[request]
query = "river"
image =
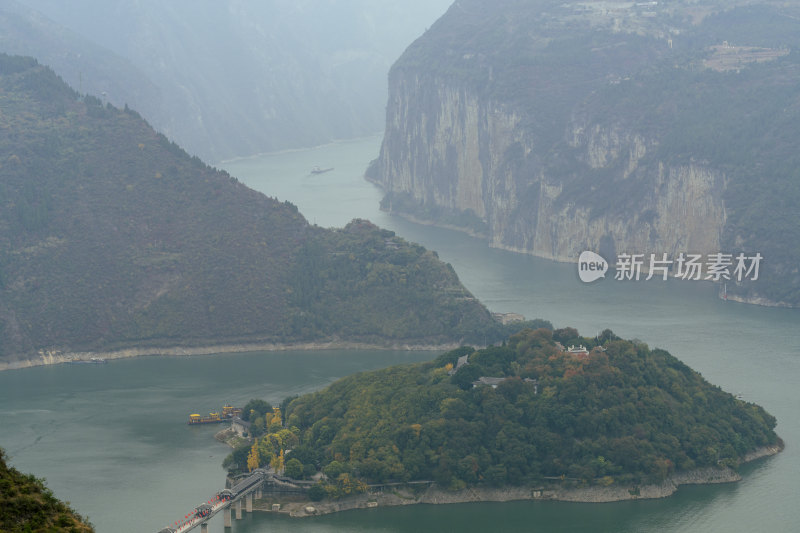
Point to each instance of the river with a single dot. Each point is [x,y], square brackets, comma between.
[112,438]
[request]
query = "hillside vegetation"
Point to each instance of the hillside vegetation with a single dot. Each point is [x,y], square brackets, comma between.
[112,236]
[27,506]
[619,413]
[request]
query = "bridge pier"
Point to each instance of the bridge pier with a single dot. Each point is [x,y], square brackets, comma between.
[226,513]
[249,503]
[258,493]
[238,509]
[204,527]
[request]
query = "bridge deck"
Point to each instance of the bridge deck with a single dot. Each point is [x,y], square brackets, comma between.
[244,487]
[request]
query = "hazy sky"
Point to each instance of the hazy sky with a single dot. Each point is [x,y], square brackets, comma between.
[233,78]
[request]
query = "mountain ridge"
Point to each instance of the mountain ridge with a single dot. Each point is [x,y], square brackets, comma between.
[112,237]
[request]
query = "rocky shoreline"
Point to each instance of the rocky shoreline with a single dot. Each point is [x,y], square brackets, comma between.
[757,300]
[431,494]
[57,357]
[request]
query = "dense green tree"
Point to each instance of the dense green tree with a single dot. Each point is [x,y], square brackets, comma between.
[238,457]
[316,492]
[622,414]
[28,506]
[255,408]
[294,469]
[334,469]
[466,375]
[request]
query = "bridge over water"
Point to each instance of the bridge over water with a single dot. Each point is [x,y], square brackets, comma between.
[228,501]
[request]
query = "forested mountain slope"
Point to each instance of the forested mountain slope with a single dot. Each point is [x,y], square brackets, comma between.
[111,236]
[26,505]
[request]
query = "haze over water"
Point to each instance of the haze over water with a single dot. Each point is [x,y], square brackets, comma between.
[112,438]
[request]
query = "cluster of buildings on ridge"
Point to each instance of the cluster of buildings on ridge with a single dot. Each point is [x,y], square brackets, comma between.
[579,352]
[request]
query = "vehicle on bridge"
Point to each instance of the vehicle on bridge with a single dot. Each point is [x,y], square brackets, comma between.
[203,510]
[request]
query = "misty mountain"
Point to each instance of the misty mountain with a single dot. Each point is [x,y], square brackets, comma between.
[236,78]
[640,128]
[112,237]
[87,66]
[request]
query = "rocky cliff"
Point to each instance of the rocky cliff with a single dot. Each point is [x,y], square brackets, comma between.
[554,129]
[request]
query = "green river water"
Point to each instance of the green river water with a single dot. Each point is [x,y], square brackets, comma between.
[112,439]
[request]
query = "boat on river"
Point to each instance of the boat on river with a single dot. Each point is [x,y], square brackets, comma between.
[318,170]
[228,412]
[92,361]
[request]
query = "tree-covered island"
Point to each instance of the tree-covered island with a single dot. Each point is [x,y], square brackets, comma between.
[547,408]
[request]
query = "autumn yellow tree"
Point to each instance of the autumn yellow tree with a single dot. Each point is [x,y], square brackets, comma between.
[252,457]
[273,418]
[265,452]
[277,463]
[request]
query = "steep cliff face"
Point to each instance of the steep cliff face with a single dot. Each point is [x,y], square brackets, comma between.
[614,135]
[449,156]
[681,208]
[469,161]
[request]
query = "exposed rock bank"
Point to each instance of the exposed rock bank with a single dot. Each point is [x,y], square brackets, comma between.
[55,358]
[407,495]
